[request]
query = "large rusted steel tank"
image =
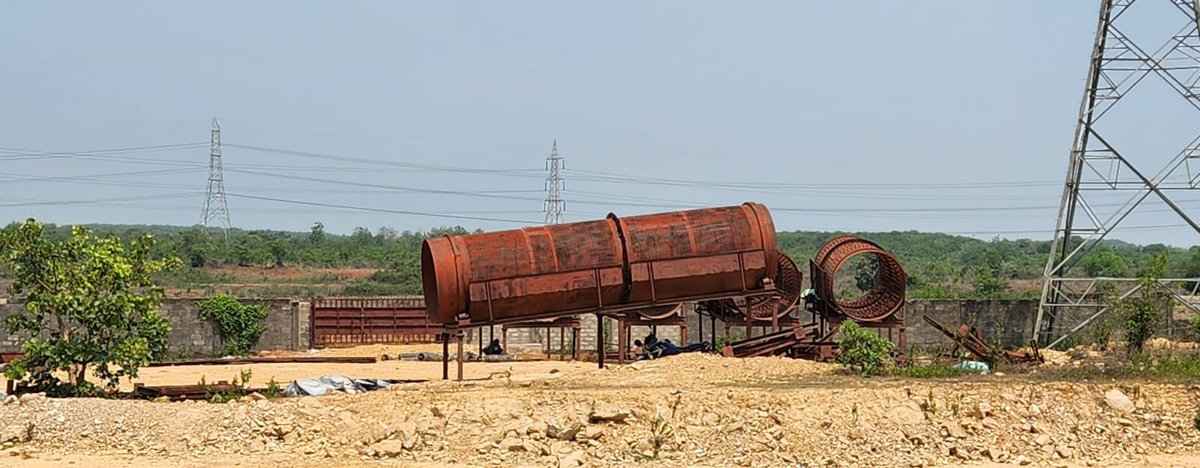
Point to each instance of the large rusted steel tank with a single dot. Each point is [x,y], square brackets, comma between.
[611,264]
[886,296]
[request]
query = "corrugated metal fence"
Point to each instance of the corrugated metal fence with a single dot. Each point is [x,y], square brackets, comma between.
[352,321]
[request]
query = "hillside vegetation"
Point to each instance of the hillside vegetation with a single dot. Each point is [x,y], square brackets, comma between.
[387,261]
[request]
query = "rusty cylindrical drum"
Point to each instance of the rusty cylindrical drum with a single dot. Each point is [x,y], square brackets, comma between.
[615,263]
[886,295]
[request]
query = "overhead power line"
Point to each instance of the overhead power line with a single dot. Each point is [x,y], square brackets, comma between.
[18,154]
[385,210]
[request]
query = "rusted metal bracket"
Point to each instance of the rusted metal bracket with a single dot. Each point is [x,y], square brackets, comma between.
[771,343]
[971,339]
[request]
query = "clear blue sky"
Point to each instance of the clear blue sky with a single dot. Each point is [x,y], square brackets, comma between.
[819,102]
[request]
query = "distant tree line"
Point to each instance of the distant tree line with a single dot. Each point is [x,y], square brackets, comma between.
[938,265]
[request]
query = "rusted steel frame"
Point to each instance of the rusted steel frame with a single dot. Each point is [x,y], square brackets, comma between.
[767,344]
[609,310]
[559,322]
[963,338]
[268,360]
[187,392]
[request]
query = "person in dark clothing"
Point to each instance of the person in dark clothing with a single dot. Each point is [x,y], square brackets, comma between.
[667,348]
[700,347]
[493,349]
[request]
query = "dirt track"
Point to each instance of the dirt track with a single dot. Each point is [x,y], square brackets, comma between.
[698,410]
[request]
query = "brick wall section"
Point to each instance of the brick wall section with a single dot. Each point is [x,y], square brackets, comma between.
[287,327]
[1009,322]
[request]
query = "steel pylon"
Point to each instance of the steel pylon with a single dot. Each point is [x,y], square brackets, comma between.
[1099,168]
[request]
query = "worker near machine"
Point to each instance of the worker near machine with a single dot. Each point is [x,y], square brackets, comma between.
[637,350]
[650,344]
[493,349]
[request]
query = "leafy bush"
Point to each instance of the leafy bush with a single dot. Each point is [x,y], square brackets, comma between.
[1144,310]
[861,351]
[89,301]
[239,325]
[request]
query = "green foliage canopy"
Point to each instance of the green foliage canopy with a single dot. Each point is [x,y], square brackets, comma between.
[90,301]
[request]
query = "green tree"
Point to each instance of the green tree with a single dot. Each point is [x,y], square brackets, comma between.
[278,252]
[988,284]
[89,301]
[1105,263]
[1143,310]
[866,272]
[240,325]
[316,234]
[195,247]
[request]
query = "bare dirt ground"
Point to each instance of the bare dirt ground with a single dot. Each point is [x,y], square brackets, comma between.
[690,410]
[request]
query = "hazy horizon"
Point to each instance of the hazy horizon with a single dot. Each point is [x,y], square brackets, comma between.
[952,117]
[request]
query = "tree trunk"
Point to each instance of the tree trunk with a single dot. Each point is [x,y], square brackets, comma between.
[77,374]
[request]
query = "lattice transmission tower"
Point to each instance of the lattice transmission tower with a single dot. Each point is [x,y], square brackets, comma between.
[215,206]
[1111,174]
[555,205]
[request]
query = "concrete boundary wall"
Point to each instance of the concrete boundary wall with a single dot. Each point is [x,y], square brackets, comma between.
[289,328]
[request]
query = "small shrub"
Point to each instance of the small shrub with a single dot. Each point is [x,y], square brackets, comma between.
[1194,321]
[861,351]
[1143,311]
[273,390]
[1196,420]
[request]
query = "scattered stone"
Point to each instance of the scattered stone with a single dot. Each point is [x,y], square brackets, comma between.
[1034,410]
[1064,451]
[907,414]
[512,444]
[1022,460]
[606,413]
[954,429]
[389,449]
[1043,439]
[985,410]
[563,431]
[572,460]
[1118,401]
[590,433]
[1124,422]
[538,428]
[12,433]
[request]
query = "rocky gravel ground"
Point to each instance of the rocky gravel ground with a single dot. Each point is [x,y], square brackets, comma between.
[690,410]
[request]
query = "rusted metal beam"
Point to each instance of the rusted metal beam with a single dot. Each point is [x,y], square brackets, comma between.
[771,343]
[269,360]
[970,339]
